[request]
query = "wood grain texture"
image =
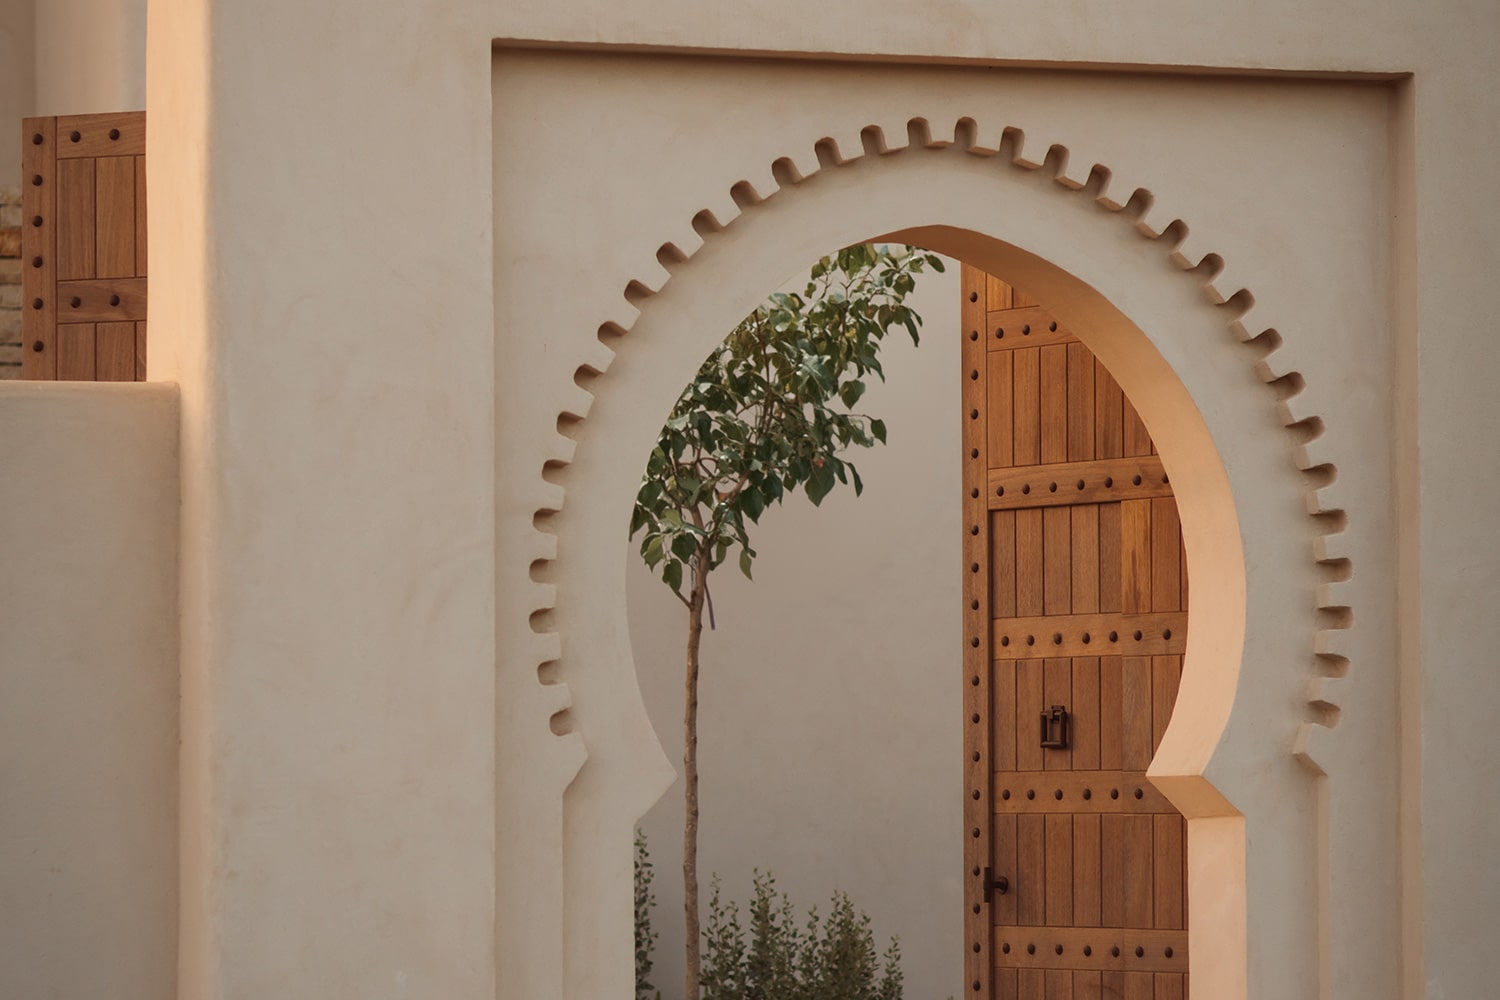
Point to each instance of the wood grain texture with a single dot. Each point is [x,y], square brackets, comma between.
[1110,577]
[1000,432]
[1169,892]
[76,252]
[1166,556]
[1003,712]
[1081,420]
[1087,876]
[140,216]
[1037,948]
[1111,718]
[1030,883]
[1026,406]
[1138,864]
[1085,709]
[1029,564]
[1057,561]
[1067,483]
[1135,712]
[140,351]
[75,352]
[1109,413]
[94,134]
[1026,326]
[1166,675]
[1059,843]
[1057,689]
[114,216]
[1002,564]
[1135,556]
[1030,636]
[102,300]
[1054,403]
[1084,536]
[114,352]
[38,243]
[1030,703]
[1136,440]
[977,671]
[1079,792]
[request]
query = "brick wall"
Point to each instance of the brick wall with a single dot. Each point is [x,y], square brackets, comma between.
[10,283]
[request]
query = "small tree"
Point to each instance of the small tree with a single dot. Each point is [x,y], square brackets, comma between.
[769,412]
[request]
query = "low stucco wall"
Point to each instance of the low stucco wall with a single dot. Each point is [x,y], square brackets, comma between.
[88,690]
[829,746]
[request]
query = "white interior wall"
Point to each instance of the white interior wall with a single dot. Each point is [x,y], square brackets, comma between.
[829,747]
[90,56]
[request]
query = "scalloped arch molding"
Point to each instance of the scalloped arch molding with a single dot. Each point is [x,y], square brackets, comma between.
[1253,460]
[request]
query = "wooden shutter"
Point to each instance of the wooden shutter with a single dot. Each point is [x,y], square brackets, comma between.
[83,247]
[1075,597]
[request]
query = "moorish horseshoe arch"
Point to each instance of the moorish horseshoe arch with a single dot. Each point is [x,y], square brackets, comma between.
[823,198]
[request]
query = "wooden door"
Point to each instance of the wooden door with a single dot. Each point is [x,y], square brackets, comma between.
[1075,621]
[83,247]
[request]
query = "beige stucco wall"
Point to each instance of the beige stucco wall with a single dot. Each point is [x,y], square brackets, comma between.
[829,699]
[90,56]
[88,690]
[358,550]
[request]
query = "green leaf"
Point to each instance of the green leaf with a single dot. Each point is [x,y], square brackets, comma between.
[877,428]
[651,550]
[819,484]
[745,563]
[671,574]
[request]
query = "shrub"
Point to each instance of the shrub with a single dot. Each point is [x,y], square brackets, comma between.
[645,938]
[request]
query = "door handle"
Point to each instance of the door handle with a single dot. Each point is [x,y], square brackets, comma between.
[994,884]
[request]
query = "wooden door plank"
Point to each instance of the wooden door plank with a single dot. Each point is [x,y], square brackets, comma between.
[1002,564]
[1026,406]
[1136,440]
[1138,986]
[75,352]
[1024,327]
[1089,986]
[1135,556]
[140,216]
[1137,864]
[1031,984]
[1030,636]
[1170,845]
[1020,299]
[116,133]
[1109,414]
[114,352]
[140,351]
[1166,674]
[1005,862]
[1057,689]
[1029,706]
[1029,571]
[1112,984]
[1085,709]
[1005,984]
[76,257]
[1108,949]
[1000,432]
[1182,561]
[997,294]
[1087,874]
[1059,836]
[1111,720]
[1030,882]
[114,214]
[1054,405]
[1081,421]
[39,244]
[1110,541]
[102,300]
[1099,481]
[1170,986]
[1135,712]
[1077,792]
[1085,555]
[1059,984]
[1057,556]
[1112,870]
[1003,712]
[1166,549]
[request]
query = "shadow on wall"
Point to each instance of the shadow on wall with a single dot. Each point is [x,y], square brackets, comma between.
[829,749]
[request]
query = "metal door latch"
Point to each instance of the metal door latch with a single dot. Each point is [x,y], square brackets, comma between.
[1055,728]
[994,884]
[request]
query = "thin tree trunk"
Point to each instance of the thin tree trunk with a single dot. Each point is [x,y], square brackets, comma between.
[690,783]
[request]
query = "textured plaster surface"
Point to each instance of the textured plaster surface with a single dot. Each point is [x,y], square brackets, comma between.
[361,445]
[88,690]
[880,190]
